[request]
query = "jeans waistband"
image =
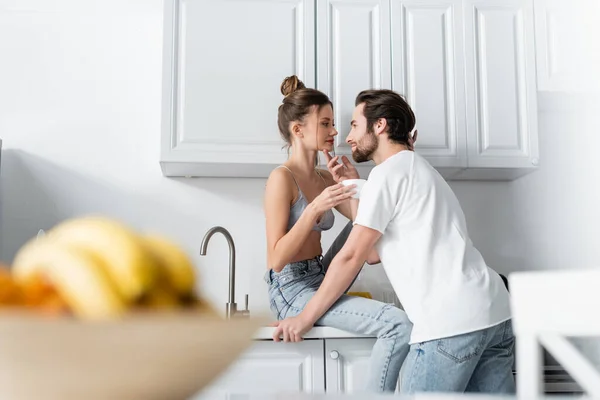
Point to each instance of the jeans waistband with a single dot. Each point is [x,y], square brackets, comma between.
[295,268]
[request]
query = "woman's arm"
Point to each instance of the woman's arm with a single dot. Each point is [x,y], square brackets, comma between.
[373,257]
[282,246]
[348,208]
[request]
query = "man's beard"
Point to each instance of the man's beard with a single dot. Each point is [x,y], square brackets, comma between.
[366,148]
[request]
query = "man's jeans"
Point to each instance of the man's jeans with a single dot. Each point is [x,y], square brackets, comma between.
[479,361]
[292,288]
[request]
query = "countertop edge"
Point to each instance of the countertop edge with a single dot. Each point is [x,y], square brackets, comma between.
[318,332]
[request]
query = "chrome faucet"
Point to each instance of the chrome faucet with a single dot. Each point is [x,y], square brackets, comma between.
[231,306]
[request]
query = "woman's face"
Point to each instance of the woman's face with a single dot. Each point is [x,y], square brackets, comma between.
[318,130]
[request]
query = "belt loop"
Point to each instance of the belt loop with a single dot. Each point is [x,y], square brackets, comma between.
[268,276]
[321,266]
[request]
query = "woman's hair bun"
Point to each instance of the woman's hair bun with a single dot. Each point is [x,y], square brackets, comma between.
[290,85]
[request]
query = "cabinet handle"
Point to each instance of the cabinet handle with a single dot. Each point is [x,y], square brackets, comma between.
[334,355]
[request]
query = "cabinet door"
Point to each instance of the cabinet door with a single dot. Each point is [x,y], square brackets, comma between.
[428,69]
[567,48]
[270,367]
[224,61]
[347,364]
[501,84]
[353,54]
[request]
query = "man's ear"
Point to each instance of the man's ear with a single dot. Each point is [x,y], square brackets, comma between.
[380,126]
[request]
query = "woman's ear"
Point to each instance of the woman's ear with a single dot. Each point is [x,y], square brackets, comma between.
[297,129]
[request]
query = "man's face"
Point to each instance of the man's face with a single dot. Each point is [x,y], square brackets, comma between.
[363,142]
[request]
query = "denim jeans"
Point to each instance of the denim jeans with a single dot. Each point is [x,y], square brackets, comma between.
[480,361]
[292,288]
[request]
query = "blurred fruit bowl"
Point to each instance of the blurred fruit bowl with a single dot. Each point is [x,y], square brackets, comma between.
[97,310]
[153,355]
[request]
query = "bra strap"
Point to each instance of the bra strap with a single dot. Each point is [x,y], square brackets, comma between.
[293,177]
[323,179]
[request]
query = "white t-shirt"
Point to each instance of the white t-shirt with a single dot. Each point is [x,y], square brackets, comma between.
[441,279]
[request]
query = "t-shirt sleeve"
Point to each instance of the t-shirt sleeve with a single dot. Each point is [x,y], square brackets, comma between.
[378,203]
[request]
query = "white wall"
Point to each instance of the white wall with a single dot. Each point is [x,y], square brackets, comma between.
[80,120]
[549,219]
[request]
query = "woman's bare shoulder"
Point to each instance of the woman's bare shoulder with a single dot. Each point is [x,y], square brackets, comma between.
[281,181]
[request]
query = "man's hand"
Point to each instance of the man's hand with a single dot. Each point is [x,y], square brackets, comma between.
[411,140]
[343,171]
[293,328]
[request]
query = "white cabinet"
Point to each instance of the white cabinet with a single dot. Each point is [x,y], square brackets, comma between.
[428,69]
[347,364]
[331,365]
[467,67]
[353,54]
[567,46]
[501,89]
[224,61]
[270,367]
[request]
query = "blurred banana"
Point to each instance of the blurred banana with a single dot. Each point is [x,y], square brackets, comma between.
[174,264]
[96,268]
[77,274]
[160,297]
[122,252]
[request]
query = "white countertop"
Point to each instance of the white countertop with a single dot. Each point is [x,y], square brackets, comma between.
[390,396]
[317,332]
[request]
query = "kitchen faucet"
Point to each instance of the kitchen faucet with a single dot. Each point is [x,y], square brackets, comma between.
[231,306]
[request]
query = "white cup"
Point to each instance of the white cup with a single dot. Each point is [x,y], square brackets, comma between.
[359,184]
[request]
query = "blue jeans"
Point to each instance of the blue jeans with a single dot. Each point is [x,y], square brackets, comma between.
[480,361]
[292,288]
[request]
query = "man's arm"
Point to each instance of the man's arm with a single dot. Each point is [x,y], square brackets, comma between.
[342,270]
[373,257]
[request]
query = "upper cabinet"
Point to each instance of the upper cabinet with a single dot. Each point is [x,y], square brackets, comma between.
[353,54]
[467,68]
[501,88]
[429,70]
[224,61]
[567,46]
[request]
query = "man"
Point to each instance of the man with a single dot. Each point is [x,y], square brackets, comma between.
[462,337]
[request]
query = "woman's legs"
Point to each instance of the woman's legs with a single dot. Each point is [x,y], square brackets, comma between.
[370,317]
[353,314]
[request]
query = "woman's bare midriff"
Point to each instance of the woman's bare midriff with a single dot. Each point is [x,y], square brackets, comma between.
[311,248]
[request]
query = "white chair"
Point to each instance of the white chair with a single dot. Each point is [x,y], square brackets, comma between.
[548,307]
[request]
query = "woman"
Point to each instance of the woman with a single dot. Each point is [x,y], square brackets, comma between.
[298,206]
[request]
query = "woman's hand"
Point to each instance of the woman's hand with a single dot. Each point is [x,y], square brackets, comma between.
[292,329]
[343,171]
[332,196]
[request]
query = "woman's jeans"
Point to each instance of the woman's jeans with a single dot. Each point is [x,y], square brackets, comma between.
[292,288]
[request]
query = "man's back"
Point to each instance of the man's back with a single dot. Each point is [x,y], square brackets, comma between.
[441,279]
